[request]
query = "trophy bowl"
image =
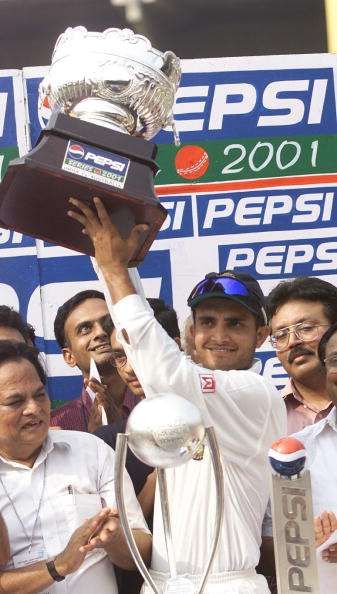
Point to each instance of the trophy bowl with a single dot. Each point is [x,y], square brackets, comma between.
[165,431]
[114,79]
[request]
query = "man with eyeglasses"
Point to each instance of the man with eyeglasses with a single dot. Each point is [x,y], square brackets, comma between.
[300,312]
[320,441]
[245,410]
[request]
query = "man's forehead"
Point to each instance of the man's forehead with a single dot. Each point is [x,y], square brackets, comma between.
[221,306]
[15,372]
[90,310]
[296,311]
[8,333]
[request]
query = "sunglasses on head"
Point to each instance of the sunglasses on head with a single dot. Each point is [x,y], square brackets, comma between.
[218,284]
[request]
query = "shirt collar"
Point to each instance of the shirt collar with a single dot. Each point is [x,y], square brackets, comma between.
[328,421]
[54,438]
[331,419]
[289,390]
[256,366]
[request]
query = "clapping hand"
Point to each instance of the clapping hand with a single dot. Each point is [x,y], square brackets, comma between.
[325,524]
[106,534]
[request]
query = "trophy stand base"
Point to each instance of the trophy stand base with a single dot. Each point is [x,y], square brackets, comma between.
[78,159]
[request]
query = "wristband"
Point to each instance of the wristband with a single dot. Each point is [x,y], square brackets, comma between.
[53,571]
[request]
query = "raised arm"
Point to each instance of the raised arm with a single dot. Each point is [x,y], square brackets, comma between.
[112,253]
[241,398]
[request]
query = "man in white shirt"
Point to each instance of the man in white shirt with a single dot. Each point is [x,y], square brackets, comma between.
[51,482]
[320,441]
[246,411]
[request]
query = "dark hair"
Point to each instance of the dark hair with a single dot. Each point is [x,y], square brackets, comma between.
[31,334]
[65,310]
[304,288]
[166,316]
[9,318]
[16,351]
[324,341]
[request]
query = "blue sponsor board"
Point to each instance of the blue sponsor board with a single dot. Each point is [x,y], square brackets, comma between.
[284,258]
[64,388]
[36,119]
[157,265]
[253,103]
[266,210]
[241,103]
[272,369]
[179,220]
[8,135]
[14,239]
[21,276]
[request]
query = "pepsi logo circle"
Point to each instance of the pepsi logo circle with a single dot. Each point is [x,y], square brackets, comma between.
[287,456]
[76,151]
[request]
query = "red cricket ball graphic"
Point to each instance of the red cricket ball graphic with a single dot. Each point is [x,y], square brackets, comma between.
[191,162]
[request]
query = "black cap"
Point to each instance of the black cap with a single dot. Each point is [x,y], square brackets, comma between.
[255,301]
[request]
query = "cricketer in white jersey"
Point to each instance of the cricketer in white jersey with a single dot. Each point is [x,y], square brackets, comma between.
[246,411]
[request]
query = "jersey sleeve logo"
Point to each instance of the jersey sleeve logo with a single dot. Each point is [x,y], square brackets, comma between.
[207,383]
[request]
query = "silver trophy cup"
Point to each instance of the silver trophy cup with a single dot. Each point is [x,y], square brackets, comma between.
[164,432]
[109,94]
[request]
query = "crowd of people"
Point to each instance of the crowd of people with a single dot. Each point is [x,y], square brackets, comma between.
[59,526]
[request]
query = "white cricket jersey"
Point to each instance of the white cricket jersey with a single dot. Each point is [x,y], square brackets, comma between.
[247,413]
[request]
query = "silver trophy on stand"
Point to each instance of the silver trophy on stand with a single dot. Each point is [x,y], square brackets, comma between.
[167,431]
[110,93]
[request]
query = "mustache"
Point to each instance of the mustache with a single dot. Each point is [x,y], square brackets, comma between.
[298,350]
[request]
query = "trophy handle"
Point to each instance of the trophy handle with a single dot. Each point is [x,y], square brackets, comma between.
[120,456]
[165,511]
[220,502]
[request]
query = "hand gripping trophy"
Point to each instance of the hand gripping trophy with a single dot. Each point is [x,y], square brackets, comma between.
[167,431]
[110,93]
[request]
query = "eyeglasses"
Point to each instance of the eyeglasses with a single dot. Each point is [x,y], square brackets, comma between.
[304,331]
[119,359]
[218,284]
[331,363]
